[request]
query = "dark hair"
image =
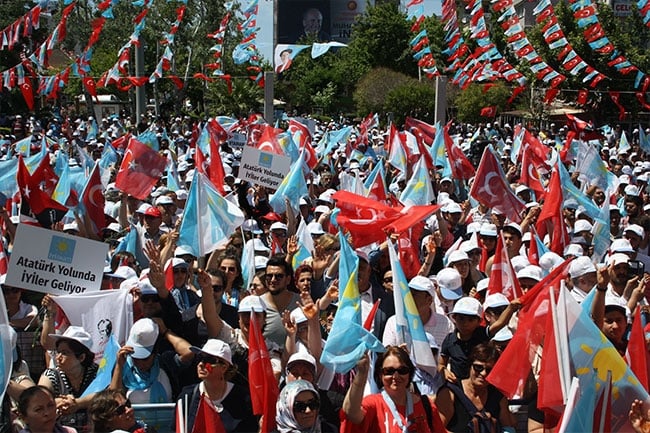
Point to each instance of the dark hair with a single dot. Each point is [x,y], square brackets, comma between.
[78,349]
[239,280]
[102,409]
[26,397]
[279,260]
[398,353]
[485,352]
[512,231]
[217,273]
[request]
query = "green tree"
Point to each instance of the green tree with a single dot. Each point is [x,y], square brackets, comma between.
[470,101]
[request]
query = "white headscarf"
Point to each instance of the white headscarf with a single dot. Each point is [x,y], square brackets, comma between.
[286,421]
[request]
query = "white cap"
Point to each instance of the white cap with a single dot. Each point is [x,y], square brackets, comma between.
[521,188]
[550,260]
[252,303]
[457,256]
[422,284]
[636,229]
[504,334]
[76,333]
[616,302]
[574,250]
[581,266]
[482,284]
[124,272]
[468,306]
[451,284]
[146,288]
[260,262]
[301,357]
[315,228]
[495,300]
[514,226]
[321,209]
[216,348]
[582,226]
[297,316]
[250,225]
[143,208]
[183,250]
[531,271]
[279,226]
[452,207]
[617,259]
[488,229]
[519,262]
[632,190]
[621,246]
[142,338]
[258,245]
[163,200]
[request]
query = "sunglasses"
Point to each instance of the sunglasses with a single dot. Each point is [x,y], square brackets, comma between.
[121,409]
[149,298]
[388,280]
[301,406]
[180,271]
[274,276]
[212,360]
[389,371]
[478,368]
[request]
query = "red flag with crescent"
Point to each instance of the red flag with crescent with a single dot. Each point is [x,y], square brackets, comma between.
[28,94]
[140,170]
[92,198]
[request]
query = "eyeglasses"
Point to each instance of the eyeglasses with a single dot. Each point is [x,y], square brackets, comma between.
[388,280]
[478,368]
[301,406]
[212,360]
[121,409]
[149,298]
[389,371]
[217,287]
[180,271]
[274,276]
[228,269]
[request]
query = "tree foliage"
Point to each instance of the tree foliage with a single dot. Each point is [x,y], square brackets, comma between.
[470,101]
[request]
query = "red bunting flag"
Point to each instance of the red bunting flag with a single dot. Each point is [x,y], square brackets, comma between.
[616,99]
[28,94]
[140,170]
[583,94]
[490,111]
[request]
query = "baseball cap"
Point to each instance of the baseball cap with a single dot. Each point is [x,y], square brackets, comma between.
[321,209]
[153,212]
[483,284]
[550,260]
[315,228]
[297,316]
[183,250]
[468,306]
[216,348]
[615,302]
[453,207]
[618,258]
[575,250]
[279,226]
[177,262]
[422,284]
[301,357]
[124,272]
[513,227]
[531,271]
[146,288]
[504,334]
[450,284]
[457,256]
[272,216]
[488,229]
[76,333]
[250,225]
[621,246]
[636,229]
[519,262]
[252,303]
[163,200]
[582,226]
[495,300]
[581,266]
[260,262]
[259,246]
[143,336]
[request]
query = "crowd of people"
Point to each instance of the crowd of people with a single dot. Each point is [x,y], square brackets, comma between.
[190,337]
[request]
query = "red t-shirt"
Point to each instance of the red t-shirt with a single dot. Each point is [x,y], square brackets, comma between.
[379,419]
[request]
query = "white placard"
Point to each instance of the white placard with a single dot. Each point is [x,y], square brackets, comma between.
[55,262]
[263,168]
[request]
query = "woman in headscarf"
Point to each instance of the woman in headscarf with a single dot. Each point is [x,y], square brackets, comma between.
[297,410]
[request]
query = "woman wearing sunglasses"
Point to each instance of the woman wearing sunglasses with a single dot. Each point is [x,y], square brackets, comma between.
[452,400]
[395,409]
[233,402]
[110,411]
[297,410]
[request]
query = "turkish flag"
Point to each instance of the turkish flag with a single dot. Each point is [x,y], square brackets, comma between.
[364,218]
[46,210]
[268,141]
[530,176]
[263,386]
[636,354]
[45,177]
[200,162]
[533,251]
[503,278]
[90,86]
[552,212]
[303,135]
[616,97]
[428,132]
[585,12]
[207,419]
[513,366]
[461,168]
[583,94]
[492,189]
[28,94]
[516,93]
[408,251]
[92,198]
[490,111]
[140,170]
[122,142]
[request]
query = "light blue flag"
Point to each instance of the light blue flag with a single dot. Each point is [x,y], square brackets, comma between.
[592,356]
[248,263]
[305,245]
[348,340]
[541,248]
[105,370]
[173,179]
[203,142]
[644,142]
[569,190]
[8,169]
[581,416]
[293,187]
[93,129]
[438,152]
[24,146]
[516,145]
[601,232]
[107,161]
[5,348]
[410,329]
[62,190]
[623,144]
[418,190]
[334,138]
[288,146]
[129,242]
[149,138]
[60,162]
[85,160]
[208,218]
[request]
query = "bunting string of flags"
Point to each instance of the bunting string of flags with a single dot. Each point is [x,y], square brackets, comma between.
[10,35]
[420,43]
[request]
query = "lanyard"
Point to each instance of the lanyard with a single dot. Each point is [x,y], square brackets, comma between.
[393,409]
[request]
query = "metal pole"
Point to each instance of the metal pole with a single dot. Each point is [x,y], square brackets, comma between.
[268,96]
[140,94]
[441,99]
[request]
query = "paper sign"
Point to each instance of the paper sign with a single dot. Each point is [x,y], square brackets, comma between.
[54,262]
[263,168]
